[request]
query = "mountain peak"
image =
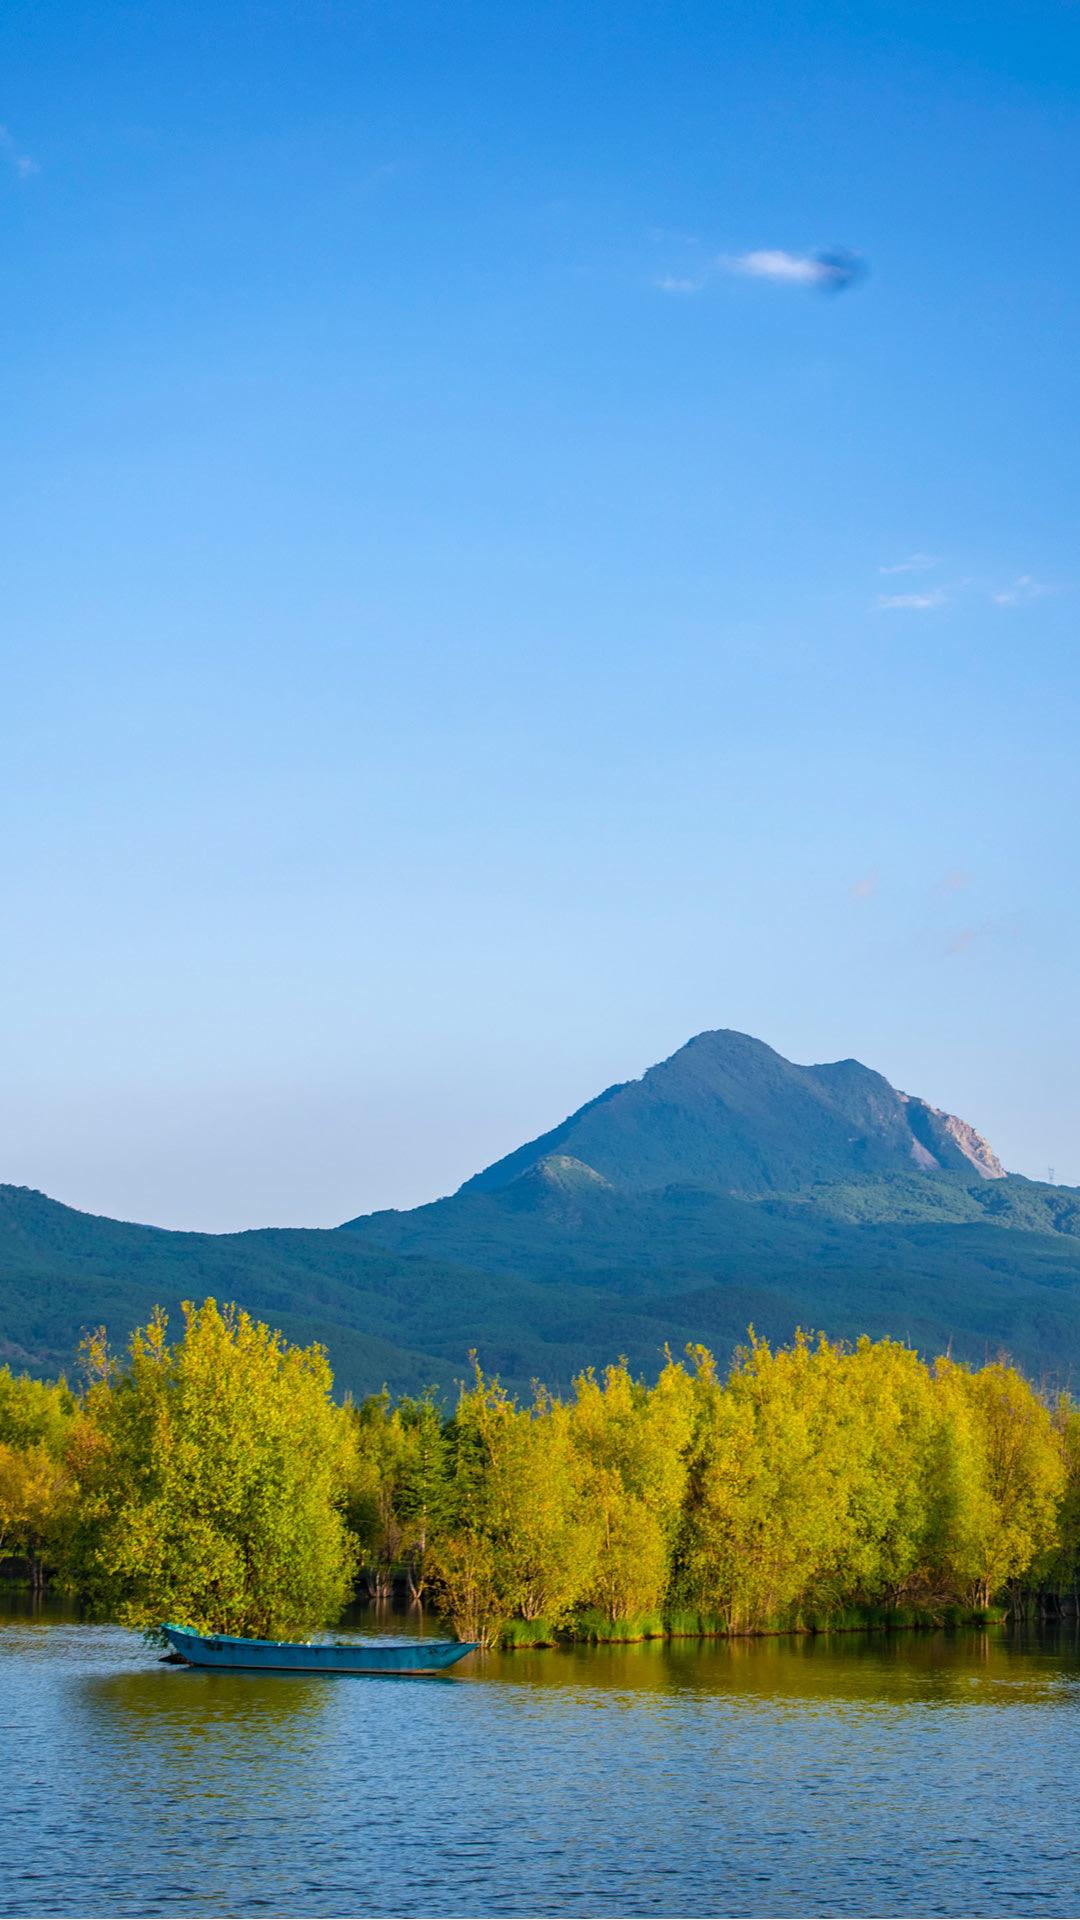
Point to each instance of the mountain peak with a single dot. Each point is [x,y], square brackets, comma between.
[726,1111]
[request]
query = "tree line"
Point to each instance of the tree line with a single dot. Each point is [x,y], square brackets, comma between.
[213,1480]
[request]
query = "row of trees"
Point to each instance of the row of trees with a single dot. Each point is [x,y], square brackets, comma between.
[814,1485]
[214,1480]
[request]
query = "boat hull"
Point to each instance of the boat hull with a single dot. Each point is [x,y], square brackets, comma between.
[230,1653]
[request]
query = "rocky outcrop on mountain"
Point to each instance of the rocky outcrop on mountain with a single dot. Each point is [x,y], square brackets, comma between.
[937,1134]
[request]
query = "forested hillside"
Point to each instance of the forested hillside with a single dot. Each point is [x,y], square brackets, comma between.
[547,1261]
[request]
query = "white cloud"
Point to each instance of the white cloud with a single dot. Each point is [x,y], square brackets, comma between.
[774,264]
[957,590]
[22,163]
[909,602]
[832,270]
[915,563]
[1025,588]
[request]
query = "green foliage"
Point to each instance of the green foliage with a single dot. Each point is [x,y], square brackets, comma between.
[1059,1568]
[37,1418]
[1003,1474]
[211,1478]
[594,1625]
[35,1495]
[35,1412]
[515,1540]
[631,1442]
[729,1113]
[528,1633]
[544,1277]
[399,1487]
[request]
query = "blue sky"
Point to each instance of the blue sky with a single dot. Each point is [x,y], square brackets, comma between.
[449,652]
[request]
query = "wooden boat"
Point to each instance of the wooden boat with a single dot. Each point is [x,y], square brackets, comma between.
[232,1653]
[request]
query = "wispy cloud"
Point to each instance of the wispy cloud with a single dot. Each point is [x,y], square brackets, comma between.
[865,888]
[1023,589]
[21,163]
[772,263]
[915,563]
[909,602]
[671,283]
[956,590]
[830,270]
[833,270]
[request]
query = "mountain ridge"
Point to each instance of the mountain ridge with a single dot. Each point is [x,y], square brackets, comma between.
[725,1186]
[723,1104]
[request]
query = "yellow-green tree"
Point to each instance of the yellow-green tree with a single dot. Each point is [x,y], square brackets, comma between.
[882,1429]
[631,1442]
[1000,1475]
[807,1479]
[35,1412]
[514,1539]
[789,1524]
[713,1574]
[37,1418]
[215,1480]
[1059,1568]
[549,1527]
[34,1497]
[475,1568]
[212,1475]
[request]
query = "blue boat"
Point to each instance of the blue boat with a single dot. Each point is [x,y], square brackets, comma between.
[231,1653]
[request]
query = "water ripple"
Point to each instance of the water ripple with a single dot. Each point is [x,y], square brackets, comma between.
[920,1775]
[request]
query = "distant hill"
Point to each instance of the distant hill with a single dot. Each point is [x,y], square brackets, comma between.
[727,1186]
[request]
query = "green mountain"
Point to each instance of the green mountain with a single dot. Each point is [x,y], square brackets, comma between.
[725,1187]
[728,1113]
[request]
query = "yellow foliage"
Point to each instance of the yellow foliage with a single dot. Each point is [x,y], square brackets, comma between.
[211,1478]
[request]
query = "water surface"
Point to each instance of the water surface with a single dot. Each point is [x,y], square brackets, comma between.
[917,1774]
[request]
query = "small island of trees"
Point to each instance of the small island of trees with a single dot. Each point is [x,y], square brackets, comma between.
[213,1480]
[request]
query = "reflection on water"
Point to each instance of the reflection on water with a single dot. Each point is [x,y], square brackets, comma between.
[848,1774]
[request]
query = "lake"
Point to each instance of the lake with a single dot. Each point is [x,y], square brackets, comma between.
[914,1774]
